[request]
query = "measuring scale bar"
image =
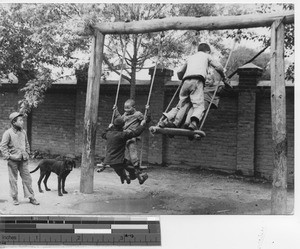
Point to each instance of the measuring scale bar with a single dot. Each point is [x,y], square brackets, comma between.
[101,232]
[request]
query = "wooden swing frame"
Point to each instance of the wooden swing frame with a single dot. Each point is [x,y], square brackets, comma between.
[278,97]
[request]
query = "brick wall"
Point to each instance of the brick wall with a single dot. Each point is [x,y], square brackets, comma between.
[217,150]
[248,79]
[238,133]
[9,98]
[53,122]
[263,136]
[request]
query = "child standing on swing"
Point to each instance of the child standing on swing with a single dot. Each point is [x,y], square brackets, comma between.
[194,73]
[211,82]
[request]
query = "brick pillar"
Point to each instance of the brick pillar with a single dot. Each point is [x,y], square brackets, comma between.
[81,76]
[157,101]
[248,79]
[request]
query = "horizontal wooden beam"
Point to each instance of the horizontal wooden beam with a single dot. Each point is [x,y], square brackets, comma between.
[194,23]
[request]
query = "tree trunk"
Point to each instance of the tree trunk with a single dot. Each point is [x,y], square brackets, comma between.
[194,23]
[133,69]
[91,114]
[278,105]
[133,83]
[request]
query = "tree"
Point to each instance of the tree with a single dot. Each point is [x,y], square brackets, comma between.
[140,48]
[39,37]
[35,38]
[243,54]
[264,39]
[33,41]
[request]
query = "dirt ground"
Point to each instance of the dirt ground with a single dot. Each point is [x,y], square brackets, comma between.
[167,191]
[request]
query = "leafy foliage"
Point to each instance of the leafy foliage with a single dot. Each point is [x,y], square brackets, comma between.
[242,54]
[265,40]
[36,38]
[33,40]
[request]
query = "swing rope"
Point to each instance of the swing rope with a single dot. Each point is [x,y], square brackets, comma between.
[171,101]
[229,77]
[154,73]
[217,86]
[119,83]
[180,85]
[162,35]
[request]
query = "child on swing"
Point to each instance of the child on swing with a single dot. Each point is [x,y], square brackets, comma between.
[194,73]
[210,83]
[132,119]
[117,138]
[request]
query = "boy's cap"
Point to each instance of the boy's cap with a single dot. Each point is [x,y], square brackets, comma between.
[119,122]
[14,115]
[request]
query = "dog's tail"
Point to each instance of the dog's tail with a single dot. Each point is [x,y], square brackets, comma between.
[35,169]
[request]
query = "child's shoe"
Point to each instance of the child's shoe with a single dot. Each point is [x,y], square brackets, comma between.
[185,126]
[197,137]
[193,126]
[171,125]
[136,165]
[143,178]
[16,201]
[122,179]
[162,124]
[33,201]
[127,178]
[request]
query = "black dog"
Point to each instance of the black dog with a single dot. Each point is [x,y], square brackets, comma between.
[61,168]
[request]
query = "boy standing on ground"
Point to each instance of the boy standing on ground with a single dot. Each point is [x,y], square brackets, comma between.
[194,73]
[115,150]
[15,149]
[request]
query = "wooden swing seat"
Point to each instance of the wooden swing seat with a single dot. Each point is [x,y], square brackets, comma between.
[176,132]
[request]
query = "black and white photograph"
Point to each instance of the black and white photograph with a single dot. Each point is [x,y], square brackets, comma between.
[149,109]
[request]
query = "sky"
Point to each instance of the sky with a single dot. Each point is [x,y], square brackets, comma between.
[144,74]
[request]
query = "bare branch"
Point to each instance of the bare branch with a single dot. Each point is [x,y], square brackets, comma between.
[159,10]
[112,68]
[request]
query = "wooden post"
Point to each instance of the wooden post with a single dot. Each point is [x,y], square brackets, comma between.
[91,114]
[278,105]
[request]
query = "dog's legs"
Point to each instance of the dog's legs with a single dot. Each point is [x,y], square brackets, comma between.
[45,181]
[63,185]
[59,185]
[42,174]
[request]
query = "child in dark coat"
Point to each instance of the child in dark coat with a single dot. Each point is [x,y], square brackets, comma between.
[115,150]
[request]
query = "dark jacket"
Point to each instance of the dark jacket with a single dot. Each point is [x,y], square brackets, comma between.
[116,142]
